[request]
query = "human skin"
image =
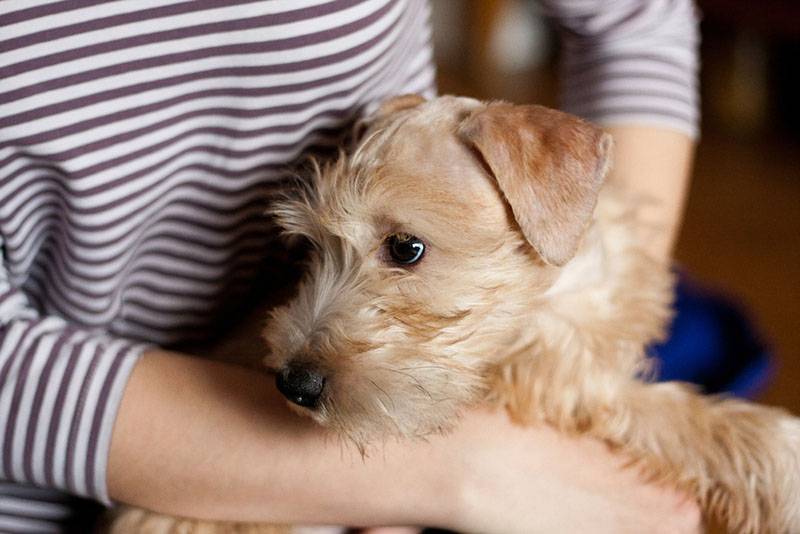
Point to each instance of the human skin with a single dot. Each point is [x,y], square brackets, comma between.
[227,435]
[656,164]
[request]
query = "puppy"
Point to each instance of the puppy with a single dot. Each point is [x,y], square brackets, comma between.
[469,253]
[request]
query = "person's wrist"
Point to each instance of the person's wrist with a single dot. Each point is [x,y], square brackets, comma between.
[465,471]
[441,496]
[428,480]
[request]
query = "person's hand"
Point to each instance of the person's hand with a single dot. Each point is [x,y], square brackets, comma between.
[529,480]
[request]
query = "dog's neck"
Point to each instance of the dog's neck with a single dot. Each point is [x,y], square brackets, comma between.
[588,270]
[612,277]
[594,321]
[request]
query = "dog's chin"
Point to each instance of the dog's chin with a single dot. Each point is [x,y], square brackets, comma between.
[366,431]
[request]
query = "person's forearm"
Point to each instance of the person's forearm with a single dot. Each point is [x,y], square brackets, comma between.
[212,441]
[655,164]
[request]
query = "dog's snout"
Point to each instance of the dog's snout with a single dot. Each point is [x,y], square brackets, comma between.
[301,385]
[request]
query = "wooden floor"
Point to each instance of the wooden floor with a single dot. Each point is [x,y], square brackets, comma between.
[741,232]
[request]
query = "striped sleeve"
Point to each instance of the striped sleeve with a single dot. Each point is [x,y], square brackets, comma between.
[139,145]
[28,509]
[60,388]
[630,61]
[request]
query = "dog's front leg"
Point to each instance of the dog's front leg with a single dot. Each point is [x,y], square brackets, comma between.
[742,460]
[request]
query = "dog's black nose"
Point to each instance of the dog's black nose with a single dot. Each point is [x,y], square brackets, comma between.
[301,385]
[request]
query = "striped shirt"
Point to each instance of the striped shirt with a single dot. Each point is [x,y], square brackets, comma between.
[137,141]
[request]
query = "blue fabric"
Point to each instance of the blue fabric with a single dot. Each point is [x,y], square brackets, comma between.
[714,344]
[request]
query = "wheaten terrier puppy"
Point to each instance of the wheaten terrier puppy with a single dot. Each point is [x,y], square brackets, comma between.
[468,253]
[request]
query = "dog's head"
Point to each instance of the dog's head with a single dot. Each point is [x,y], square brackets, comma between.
[430,245]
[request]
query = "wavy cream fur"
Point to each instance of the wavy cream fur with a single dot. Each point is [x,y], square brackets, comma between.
[500,311]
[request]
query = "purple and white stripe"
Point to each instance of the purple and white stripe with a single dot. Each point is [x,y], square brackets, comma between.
[137,141]
[630,61]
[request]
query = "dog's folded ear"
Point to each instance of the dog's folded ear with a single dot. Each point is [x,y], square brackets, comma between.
[548,164]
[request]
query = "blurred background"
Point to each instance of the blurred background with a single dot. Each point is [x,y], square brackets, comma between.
[741,232]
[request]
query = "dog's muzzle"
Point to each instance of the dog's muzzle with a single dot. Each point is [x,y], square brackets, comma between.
[301,385]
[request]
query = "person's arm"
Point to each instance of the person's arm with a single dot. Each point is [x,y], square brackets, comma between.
[208,440]
[655,163]
[633,68]
[60,386]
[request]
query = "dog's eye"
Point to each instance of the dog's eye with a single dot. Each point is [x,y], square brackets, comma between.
[405,249]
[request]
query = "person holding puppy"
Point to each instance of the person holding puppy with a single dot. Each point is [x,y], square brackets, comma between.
[136,146]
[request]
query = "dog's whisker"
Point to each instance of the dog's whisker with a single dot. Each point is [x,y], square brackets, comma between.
[388,414]
[383,392]
[416,381]
[344,431]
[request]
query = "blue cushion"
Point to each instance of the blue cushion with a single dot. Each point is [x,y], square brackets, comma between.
[714,344]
